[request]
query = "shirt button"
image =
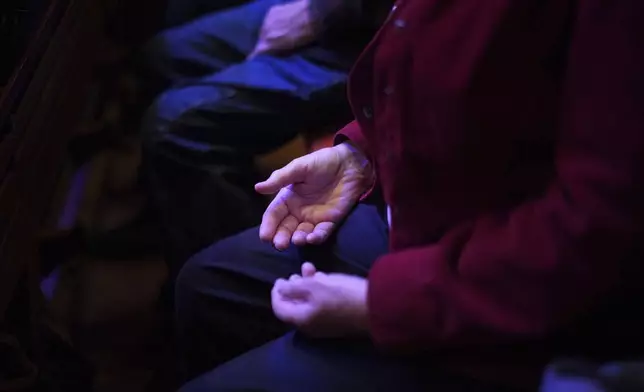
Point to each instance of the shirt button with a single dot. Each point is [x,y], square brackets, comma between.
[400,24]
[367,112]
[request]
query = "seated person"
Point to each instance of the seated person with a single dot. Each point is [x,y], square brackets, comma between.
[244,81]
[507,141]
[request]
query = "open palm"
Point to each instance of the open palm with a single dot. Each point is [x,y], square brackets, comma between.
[315,193]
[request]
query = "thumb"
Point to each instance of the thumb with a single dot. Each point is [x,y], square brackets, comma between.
[292,289]
[308,270]
[292,173]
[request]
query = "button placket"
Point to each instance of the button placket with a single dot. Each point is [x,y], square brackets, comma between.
[400,23]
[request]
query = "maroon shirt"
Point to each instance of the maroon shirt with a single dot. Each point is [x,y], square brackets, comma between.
[508,139]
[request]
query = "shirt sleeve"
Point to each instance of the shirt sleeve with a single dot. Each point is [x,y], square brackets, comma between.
[353,134]
[527,270]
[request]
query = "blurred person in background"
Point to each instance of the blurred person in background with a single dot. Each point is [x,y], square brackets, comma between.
[481,216]
[243,80]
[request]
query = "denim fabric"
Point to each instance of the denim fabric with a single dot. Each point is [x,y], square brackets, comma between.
[219,110]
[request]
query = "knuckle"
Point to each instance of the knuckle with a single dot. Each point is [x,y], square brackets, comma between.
[276,174]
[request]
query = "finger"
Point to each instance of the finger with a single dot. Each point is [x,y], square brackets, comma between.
[294,277]
[292,173]
[308,270]
[302,230]
[292,301]
[284,232]
[265,46]
[260,48]
[283,308]
[288,289]
[296,290]
[276,212]
[279,283]
[320,233]
[292,312]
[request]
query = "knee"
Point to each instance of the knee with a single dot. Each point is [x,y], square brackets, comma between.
[191,287]
[179,116]
[165,119]
[165,110]
[188,282]
[201,280]
[193,274]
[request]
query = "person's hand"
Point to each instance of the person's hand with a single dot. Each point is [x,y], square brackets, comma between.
[316,192]
[322,305]
[286,27]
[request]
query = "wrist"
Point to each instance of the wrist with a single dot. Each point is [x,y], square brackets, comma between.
[357,160]
[360,322]
[349,152]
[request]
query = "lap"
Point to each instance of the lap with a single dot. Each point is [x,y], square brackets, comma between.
[218,97]
[208,43]
[252,107]
[241,270]
[223,293]
[359,241]
[224,38]
[260,103]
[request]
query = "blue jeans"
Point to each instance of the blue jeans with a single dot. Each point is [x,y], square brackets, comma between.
[220,110]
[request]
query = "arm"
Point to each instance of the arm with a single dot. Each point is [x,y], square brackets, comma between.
[528,270]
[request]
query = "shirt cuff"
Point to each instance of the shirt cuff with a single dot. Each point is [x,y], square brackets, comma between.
[353,134]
